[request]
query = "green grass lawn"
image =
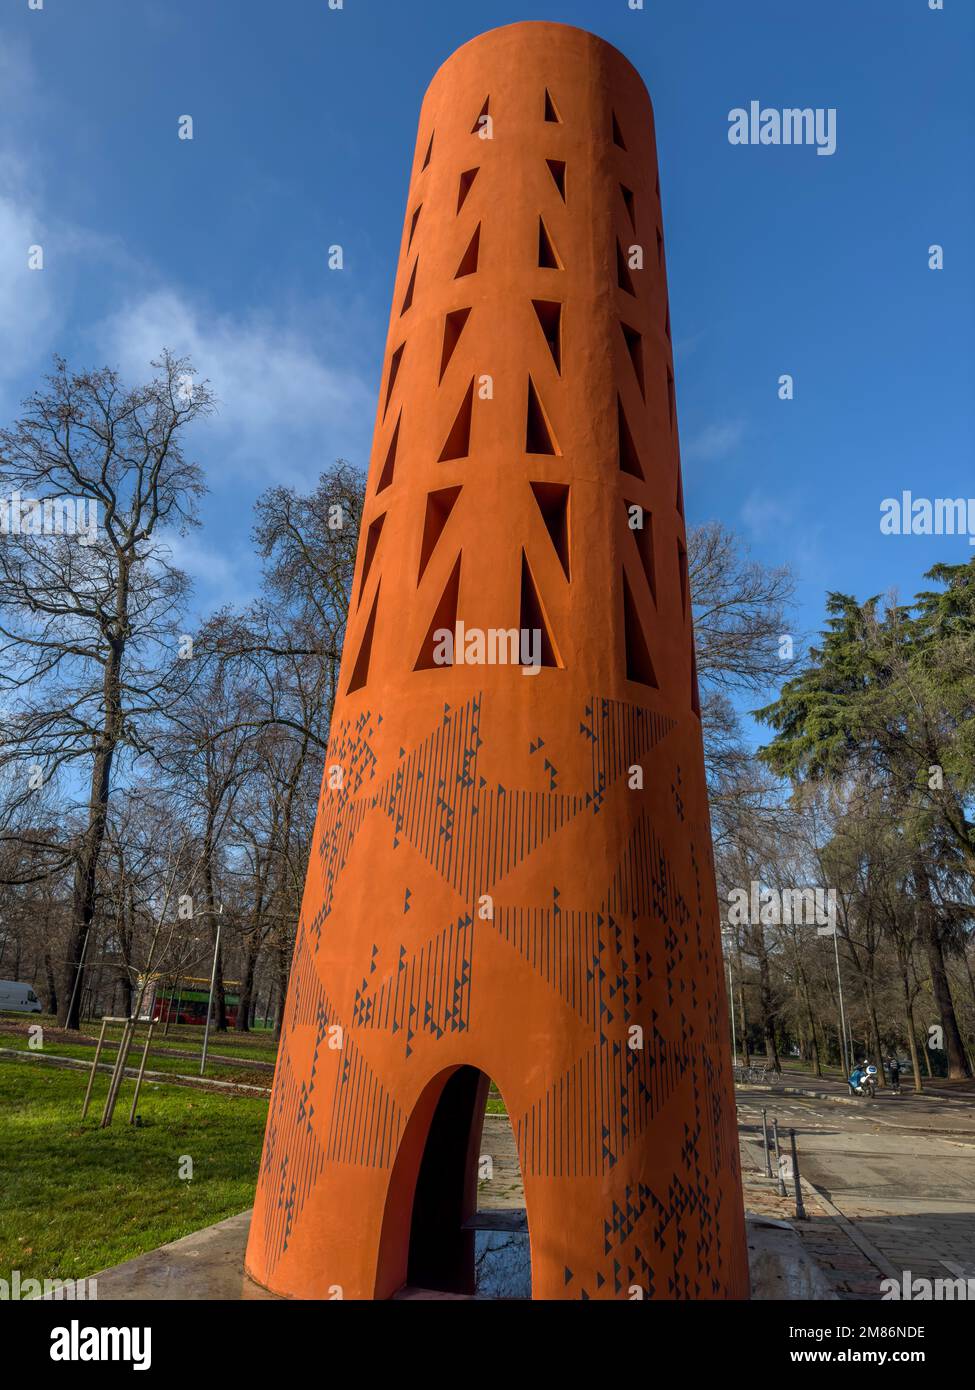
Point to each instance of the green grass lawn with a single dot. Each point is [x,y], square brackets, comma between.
[258,1046]
[158,1061]
[75,1199]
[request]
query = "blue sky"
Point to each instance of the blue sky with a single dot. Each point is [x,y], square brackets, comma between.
[304,123]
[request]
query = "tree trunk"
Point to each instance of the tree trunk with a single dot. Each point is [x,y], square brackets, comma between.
[958,1068]
[247,983]
[52,989]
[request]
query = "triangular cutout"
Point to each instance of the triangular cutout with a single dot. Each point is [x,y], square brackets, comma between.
[452,329]
[408,297]
[623,277]
[667,323]
[415,220]
[670,396]
[556,167]
[682,570]
[426,157]
[551,115]
[386,476]
[466,180]
[643,536]
[634,346]
[533,618]
[549,313]
[553,503]
[679,503]
[439,506]
[618,134]
[369,551]
[469,264]
[476,128]
[695,692]
[444,619]
[360,672]
[628,456]
[630,201]
[458,442]
[548,258]
[639,667]
[660,248]
[394,365]
[538,433]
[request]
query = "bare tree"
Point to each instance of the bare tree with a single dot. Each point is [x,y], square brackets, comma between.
[90,621]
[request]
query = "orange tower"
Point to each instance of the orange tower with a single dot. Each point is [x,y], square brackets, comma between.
[511,875]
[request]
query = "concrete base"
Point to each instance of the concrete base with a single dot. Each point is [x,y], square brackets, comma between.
[209,1265]
[779,1264]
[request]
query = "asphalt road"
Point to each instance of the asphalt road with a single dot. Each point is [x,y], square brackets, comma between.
[901,1169]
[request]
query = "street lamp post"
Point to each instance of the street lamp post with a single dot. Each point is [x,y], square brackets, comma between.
[839,986]
[726,936]
[213,980]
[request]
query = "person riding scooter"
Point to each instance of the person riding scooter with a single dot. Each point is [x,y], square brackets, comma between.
[856,1077]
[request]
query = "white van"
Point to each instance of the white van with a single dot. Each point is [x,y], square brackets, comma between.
[20,998]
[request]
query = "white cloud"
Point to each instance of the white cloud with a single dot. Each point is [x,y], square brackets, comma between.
[285,412]
[713,442]
[761,511]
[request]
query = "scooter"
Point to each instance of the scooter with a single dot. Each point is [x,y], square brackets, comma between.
[867,1085]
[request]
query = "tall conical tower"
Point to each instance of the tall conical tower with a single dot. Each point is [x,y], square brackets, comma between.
[511,874]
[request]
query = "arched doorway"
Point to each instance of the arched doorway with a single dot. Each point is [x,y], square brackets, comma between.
[468,1231]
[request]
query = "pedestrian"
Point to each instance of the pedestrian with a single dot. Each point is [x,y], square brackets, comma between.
[894,1072]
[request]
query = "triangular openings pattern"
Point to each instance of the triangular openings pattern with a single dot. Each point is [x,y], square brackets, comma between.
[553,503]
[466,181]
[533,617]
[634,346]
[549,314]
[682,571]
[439,506]
[444,618]
[643,538]
[468,265]
[360,671]
[539,438]
[458,442]
[548,257]
[408,297]
[623,277]
[453,327]
[394,365]
[556,168]
[386,476]
[639,667]
[628,456]
[369,551]
[478,126]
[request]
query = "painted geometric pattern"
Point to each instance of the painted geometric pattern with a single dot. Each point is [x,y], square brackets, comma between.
[429,992]
[599,956]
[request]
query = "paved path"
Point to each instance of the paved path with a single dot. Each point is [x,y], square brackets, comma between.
[900,1170]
